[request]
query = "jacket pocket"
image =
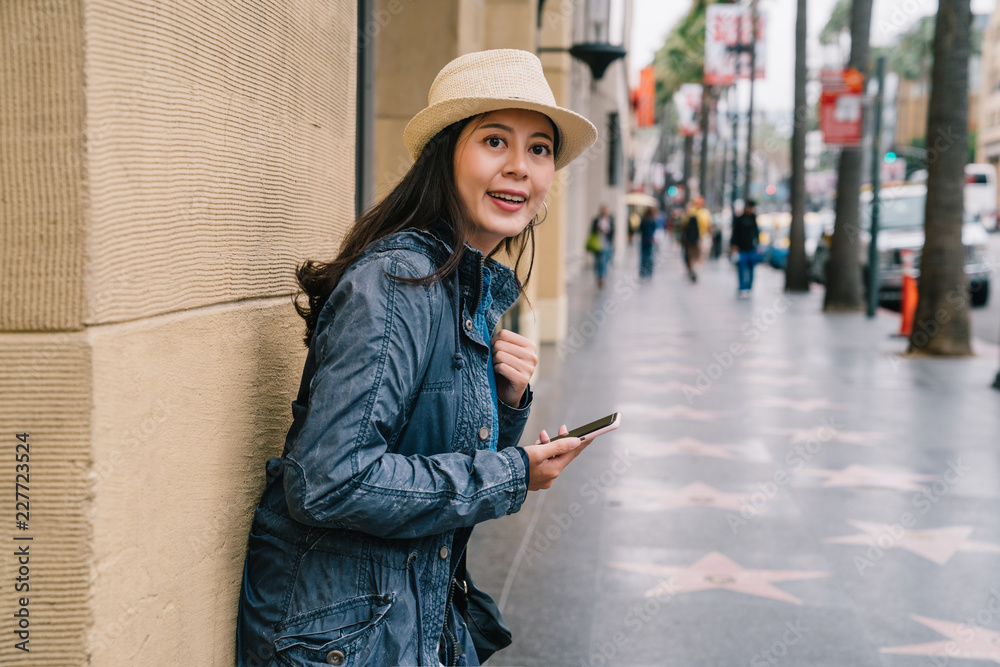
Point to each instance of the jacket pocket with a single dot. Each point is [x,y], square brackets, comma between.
[346,633]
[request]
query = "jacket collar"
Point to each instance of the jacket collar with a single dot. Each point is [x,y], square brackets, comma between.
[504,285]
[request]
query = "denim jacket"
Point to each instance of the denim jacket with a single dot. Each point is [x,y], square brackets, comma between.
[385,470]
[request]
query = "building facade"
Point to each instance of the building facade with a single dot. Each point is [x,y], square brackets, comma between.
[166,167]
[988,138]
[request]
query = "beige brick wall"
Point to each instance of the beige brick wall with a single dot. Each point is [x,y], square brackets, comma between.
[178,466]
[166,166]
[42,168]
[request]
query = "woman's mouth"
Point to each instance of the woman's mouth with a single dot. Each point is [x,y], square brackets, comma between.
[508,201]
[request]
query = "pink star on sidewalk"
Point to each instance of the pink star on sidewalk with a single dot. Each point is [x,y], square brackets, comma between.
[765,362]
[648,386]
[696,494]
[688,445]
[714,570]
[964,641]
[800,404]
[857,475]
[645,409]
[937,545]
[775,381]
[827,434]
[651,448]
[666,367]
[684,412]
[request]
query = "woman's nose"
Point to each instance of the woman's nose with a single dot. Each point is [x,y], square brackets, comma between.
[517,164]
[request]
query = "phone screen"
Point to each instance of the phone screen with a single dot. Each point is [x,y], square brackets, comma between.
[591,427]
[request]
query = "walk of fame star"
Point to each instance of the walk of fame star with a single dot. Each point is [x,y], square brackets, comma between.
[665,368]
[828,434]
[964,641]
[765,362]
[799,404]
[656,386]
[775,381]
[717,571]
[696,494]
[937,545]
[858,475]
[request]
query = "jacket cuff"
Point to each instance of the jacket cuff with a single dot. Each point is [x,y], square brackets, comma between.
[518,472]
[511,421]
[527,466]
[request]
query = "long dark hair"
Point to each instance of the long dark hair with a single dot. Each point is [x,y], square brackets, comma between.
[427,199]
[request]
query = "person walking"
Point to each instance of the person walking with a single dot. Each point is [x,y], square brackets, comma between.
[405,432]
[647,236]
[698,222]
[603,229]
[744,240]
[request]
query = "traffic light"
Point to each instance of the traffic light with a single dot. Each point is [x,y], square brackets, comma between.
[672,191]
[771,189]
[890,157]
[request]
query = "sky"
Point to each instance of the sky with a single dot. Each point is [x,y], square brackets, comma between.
[652,21]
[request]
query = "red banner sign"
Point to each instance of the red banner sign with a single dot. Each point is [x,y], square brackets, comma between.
[841,107]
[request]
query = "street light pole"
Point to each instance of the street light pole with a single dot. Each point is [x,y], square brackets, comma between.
[738,50]
[753,72]
[873,256]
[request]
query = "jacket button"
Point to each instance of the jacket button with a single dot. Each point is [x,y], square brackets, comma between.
[484,433]
[468,325]
[443,553]
[334,658]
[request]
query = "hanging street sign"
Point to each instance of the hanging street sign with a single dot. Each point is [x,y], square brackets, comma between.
[728,36]
[687,101]
[841,106]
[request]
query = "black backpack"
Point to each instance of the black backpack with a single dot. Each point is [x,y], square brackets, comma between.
[691,231]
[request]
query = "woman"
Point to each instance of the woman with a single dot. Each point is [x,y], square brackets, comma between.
[604,227]
[408,416]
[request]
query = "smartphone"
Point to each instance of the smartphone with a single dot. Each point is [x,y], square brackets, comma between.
[590,431]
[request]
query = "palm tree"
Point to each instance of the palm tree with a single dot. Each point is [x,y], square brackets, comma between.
[681,60]
[941,323]
[843,270]
[797,273]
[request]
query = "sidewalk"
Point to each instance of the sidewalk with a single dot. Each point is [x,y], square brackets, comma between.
[785,489]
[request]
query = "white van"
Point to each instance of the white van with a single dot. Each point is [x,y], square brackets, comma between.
[981,194]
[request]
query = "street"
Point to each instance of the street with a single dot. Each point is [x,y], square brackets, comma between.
[786,488]
[986,321]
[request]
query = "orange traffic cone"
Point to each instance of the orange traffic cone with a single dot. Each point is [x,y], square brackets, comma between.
[908,306]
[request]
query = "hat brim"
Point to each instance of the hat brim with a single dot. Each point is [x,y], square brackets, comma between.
[577,134]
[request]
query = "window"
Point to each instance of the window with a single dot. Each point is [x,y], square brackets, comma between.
[614,149]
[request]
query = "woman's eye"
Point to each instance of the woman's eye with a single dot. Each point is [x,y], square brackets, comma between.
[541,149]
[494,142]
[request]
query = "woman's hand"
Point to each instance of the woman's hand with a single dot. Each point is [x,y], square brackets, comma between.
[514,361]
[546,459]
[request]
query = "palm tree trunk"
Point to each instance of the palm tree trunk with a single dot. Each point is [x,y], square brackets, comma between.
[796,273]
[843,271]
[941,323]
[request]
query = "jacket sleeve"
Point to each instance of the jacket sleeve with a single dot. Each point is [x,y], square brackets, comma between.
[338,471]
[512,420]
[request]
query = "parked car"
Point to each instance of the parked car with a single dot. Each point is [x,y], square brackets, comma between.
[901,227]
[780,244]
[981,194]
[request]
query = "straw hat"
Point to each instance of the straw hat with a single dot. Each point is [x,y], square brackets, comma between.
[489,81]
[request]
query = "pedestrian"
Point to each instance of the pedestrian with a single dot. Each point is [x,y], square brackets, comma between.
[406,426]
[602,229]
[744,240]
[647,235]
[698,222]
[633,225]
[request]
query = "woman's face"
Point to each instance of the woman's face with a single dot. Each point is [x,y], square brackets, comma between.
[504,164]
